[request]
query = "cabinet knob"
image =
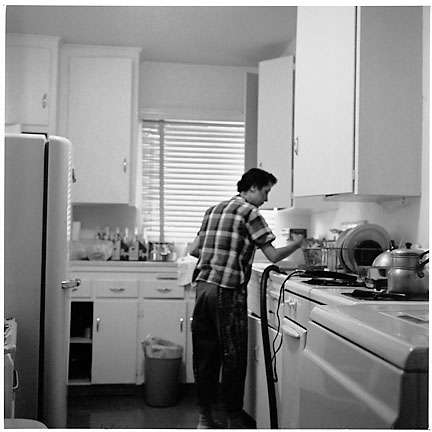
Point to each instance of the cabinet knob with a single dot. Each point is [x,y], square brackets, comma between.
[296,146]
[98,321]
[181,324]
[117,289]
[164,290]
[125,164]
[44,101]
[74,180]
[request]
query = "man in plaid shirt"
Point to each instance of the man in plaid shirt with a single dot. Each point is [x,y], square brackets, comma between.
[225,246]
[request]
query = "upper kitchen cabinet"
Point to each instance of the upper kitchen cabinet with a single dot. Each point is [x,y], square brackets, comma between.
[31,82]
[275,119]
[99,114]
[358,102]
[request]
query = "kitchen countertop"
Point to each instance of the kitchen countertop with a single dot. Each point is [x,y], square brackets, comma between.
[123,266]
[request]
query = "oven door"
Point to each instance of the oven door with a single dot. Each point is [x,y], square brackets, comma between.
[294,341]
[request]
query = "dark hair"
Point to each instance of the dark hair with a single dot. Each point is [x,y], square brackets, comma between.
[255,177]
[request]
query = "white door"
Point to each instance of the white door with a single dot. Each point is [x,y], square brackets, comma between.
[165,319]
[324,100]
[275,119]
[114,341]
[99,124]
[27,85]
[250,396]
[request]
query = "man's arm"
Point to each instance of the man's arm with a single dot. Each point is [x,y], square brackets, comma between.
[276,254]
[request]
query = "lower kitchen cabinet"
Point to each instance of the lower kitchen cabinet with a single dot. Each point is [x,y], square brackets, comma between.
[256,395]
[114,310]
[102,347]
[114,342]
[80,346]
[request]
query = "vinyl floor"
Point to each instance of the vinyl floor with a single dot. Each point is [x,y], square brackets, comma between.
[113,408]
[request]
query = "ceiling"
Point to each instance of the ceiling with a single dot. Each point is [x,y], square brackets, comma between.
[212,35]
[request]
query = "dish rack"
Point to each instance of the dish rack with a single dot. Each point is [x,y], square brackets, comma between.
[332,258]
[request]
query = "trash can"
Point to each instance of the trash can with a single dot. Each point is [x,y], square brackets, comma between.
[162,367]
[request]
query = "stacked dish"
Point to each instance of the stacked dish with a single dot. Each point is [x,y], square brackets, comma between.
[359,246]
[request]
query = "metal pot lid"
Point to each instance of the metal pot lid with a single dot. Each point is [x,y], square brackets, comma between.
[406,252]
[363,244]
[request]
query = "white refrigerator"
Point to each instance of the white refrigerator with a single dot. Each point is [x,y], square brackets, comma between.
[37,217]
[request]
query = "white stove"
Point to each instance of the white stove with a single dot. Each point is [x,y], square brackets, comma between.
[374,370]
[366,366]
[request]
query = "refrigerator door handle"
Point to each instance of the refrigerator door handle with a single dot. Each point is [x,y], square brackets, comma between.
[71,283]
[15,380]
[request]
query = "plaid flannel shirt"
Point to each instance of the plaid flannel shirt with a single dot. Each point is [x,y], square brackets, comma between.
[229,235]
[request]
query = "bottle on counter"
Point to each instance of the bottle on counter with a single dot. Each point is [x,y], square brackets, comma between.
[134,246]
[116,245]
[124,246]
[143,246]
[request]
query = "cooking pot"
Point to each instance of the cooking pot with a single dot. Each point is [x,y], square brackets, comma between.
[383,261]
[407,274]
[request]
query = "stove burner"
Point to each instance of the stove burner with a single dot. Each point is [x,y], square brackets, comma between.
[384,296]
[335,282]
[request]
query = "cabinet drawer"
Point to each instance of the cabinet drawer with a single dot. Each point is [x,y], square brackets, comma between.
[161,288]
[115,288]
[84,290]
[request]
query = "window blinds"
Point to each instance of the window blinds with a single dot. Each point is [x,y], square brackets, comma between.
[187,167]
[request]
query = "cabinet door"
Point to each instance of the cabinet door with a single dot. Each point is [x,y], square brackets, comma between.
[99,125]
[114,342]
[324,100]
[165,319]
[251,392]
[27,85]
[275,118]
[189,348]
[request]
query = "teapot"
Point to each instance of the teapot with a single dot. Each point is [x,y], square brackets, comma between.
[407,274]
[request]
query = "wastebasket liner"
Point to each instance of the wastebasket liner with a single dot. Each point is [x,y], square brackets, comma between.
[155,347]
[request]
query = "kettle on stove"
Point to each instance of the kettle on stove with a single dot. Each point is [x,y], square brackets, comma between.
[407,274]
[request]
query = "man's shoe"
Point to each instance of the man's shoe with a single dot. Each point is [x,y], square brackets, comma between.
[235,421]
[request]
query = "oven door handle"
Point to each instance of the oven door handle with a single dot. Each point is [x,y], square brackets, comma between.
[289,331]
[293,330]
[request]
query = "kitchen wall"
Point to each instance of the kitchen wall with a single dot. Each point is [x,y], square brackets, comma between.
[404,219]
[174,90]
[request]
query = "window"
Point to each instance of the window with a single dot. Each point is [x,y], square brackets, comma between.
[186,168]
